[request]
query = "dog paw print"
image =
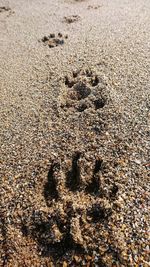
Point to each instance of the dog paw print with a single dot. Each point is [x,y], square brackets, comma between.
[71,19]
[93,7]
[83,90]
[79,0]
[53,40]
[77,200]
[4,9]
[7,10]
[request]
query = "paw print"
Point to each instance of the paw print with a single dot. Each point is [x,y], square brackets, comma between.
[93,7]
[83,90]
[52,40]
[4,9]
[77,200]
[71,19]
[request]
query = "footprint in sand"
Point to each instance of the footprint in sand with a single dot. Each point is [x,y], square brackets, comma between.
[93,7]
[77,199]
[83,90]
[53,40]
[6,10]
[71,19]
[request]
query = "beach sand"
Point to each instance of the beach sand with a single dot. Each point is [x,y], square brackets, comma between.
[74,132]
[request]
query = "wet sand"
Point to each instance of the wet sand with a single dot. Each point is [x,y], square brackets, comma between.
[74,132]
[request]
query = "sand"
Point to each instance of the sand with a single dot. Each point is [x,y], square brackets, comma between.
[74,128]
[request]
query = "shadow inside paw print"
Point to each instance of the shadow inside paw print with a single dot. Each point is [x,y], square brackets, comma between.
[93,187]
[53,235]
[72,202]
[82,91]
[73,176]
[50,191]
[97,213]
[52,40]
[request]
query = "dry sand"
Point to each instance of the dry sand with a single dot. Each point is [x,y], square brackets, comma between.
[75,137]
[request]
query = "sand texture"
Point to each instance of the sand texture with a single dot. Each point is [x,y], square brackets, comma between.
[74,133]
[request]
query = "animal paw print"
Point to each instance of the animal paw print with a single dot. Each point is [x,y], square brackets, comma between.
[77,200]
[4,9]
[94,7]
[52,40]
[71,19]
[84,90]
